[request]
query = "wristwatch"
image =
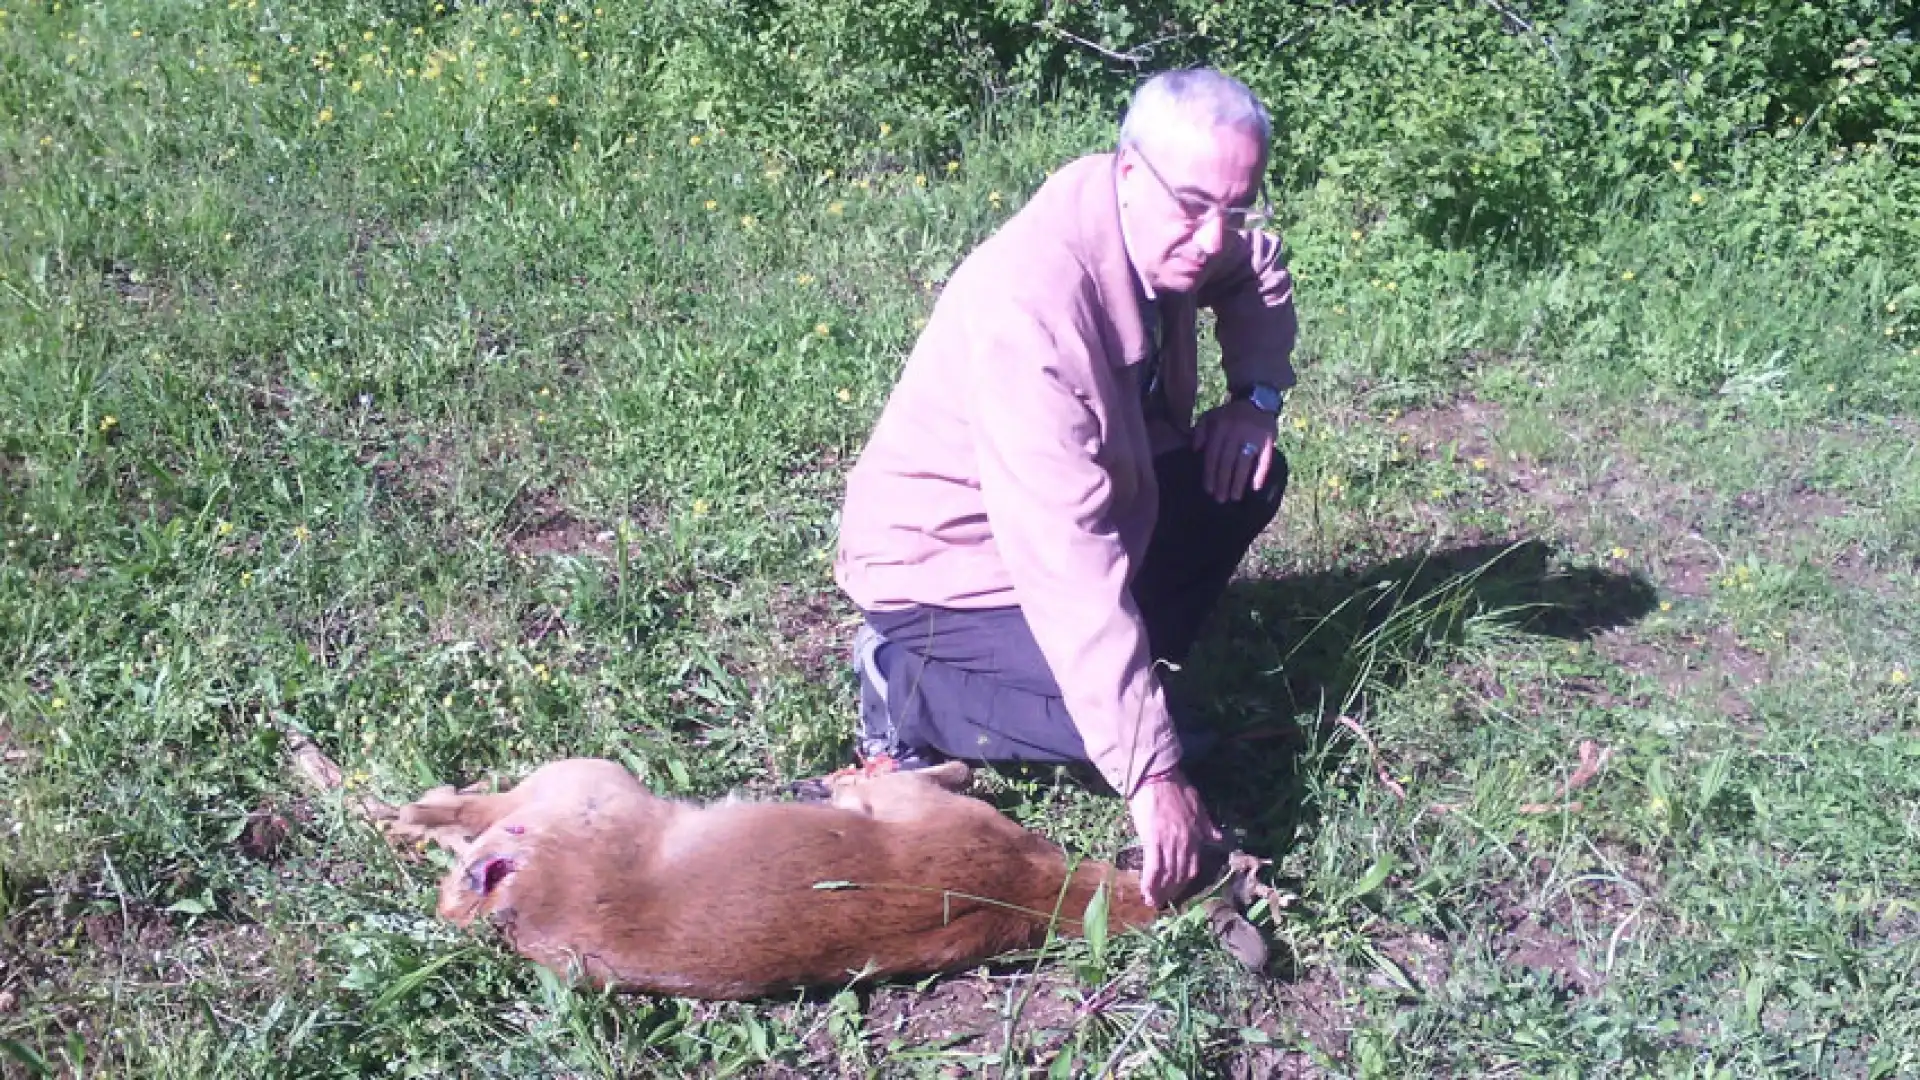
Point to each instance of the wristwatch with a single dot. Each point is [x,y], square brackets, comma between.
[1265,397]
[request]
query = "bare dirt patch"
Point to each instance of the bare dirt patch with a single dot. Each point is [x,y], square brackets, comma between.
[1598,497]
[270,826]
[135,287]
[1316,1005]
[1689,574]
[417,472]
[480,622]
[135,927]
[10,751]
[1567,937]
[972,1015]
[1712,664]
[1467,425]
[539,527]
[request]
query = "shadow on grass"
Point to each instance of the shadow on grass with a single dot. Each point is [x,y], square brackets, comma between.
[1287,657]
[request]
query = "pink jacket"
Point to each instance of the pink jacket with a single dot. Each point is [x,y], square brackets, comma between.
[1013,466]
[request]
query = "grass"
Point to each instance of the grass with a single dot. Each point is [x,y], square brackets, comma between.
[463,421]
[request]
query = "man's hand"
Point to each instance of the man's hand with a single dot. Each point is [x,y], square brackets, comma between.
[1223,434]
[1172,826]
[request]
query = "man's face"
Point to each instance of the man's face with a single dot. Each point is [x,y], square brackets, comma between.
[1173,196]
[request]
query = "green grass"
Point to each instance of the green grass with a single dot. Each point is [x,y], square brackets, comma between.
[462,423]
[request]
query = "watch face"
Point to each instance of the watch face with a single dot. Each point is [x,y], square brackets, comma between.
[1267,398]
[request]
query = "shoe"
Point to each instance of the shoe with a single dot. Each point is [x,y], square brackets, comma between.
[878,737]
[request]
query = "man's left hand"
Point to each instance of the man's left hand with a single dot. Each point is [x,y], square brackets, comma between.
[1236,444]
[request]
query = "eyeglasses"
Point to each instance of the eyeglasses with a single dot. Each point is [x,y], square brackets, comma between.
[1197,211]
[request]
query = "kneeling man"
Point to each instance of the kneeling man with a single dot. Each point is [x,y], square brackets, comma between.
[1039,518]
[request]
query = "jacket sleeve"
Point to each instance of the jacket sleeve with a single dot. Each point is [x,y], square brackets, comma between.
[1048,500]
[1255,324]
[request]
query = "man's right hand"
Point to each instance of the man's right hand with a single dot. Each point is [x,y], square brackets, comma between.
[1173,825]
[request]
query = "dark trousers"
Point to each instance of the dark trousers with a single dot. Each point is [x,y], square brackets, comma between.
[974,685]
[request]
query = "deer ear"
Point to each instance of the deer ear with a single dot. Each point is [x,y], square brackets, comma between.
[952,775]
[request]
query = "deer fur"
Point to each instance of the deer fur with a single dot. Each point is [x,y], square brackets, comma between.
[587,873]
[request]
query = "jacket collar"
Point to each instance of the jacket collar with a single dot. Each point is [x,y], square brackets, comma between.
[1101,246]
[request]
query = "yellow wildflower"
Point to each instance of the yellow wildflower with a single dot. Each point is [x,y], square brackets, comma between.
[223,528]
[886,129]
[713,204]
[1898,678]
[803,279]
[1479,463]
[1620,553]
[1666,605]
[301,534]
[1696,198]
[844,395]
[746,221]
[822,329]
[326,115]
[920,180]
[700,507]
[108,422]
[58,703]
[953,166]
[1626,275]
[836,208]
[553,99]
[693,140]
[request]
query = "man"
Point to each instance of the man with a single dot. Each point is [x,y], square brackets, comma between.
[1039,519]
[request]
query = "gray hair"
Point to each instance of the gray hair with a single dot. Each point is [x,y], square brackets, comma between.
[1195,96]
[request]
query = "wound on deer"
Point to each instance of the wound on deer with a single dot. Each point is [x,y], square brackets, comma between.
[486,875]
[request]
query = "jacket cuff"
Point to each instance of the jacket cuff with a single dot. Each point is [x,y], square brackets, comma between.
[1127,765]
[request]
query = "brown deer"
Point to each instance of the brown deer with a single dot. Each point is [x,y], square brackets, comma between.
[896,873]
